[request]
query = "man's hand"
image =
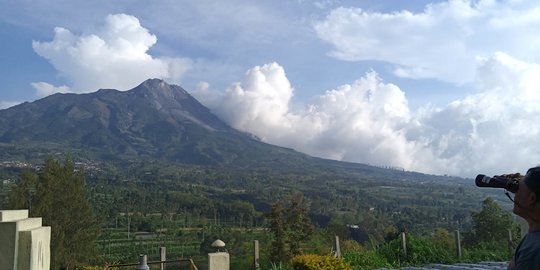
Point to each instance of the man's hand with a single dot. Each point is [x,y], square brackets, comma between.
[514,176]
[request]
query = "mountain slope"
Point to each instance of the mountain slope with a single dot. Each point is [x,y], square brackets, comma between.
[153,120]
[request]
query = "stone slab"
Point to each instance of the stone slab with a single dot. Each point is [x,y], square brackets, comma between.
[24,243]
[34,245]
[12,215]
[28,224]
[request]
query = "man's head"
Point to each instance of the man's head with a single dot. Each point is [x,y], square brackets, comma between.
[528,194]
[532,180]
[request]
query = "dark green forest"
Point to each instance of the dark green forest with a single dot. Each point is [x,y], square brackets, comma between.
[146,204]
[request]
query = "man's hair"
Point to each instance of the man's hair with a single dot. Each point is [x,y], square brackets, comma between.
[532,180]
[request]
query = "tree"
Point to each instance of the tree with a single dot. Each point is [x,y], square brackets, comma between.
[491,224]
[57,195]
[290,225]
[442,238]
[22,195]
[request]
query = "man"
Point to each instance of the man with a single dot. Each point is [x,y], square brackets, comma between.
[527,206]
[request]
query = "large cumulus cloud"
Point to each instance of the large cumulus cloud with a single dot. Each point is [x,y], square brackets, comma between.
[483,45]
[370,121]
[494,130]
[442,42]
[113,56]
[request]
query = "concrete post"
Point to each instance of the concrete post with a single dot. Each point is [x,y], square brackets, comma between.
[404,243]
[510,241]
[142,263]
[338,249]
[162,257]
[458,245]
[218,260]
[256,254]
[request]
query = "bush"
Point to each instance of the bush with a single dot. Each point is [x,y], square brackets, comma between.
[487,251]
[96,268]
[365,260]
[315,262]
[278,266]
[419,251]
[351,245]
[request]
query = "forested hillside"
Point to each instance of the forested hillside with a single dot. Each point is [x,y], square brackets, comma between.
[156,161]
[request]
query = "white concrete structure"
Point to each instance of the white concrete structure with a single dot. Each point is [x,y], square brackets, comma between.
[218,261]
[24,243]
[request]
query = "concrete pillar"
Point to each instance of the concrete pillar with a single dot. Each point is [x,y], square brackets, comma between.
[24,243]
[142,263]
[256,254]
[162,257]
[404,243]
[458,245]
[338,249]
[218,261]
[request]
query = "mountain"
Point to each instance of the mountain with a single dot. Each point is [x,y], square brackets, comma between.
[146,140]
[153,120]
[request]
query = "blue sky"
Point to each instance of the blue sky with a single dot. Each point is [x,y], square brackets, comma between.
[225,38]
[432,86]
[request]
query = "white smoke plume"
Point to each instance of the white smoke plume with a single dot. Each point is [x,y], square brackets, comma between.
[115,56]
[369,121]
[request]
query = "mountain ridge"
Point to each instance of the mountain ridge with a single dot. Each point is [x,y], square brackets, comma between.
[153,120]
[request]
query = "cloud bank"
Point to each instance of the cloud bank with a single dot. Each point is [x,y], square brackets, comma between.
[114,56]
[487,45]
[442,42]
[369,120]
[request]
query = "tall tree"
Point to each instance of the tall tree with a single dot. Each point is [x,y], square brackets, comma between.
[491,224]
[57,194]
[23,194]
[290,224]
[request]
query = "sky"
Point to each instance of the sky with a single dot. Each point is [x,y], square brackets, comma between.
[442,87]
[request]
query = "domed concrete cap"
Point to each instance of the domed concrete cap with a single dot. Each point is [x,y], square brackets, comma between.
[218,244]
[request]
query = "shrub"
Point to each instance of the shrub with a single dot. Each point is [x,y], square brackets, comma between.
[419,251]
[351,245]
[443,239]
[278,266]
[487,251]
[365,260]
[315,262]
[96,268]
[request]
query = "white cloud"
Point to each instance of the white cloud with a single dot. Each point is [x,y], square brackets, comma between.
[44,89]
[369,121]
[115,56]
[324,4]
[442,42]
[7,104]
[494,129]
[260,102]
[363,121]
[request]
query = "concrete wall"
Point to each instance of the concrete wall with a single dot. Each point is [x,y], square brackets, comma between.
[24,243]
